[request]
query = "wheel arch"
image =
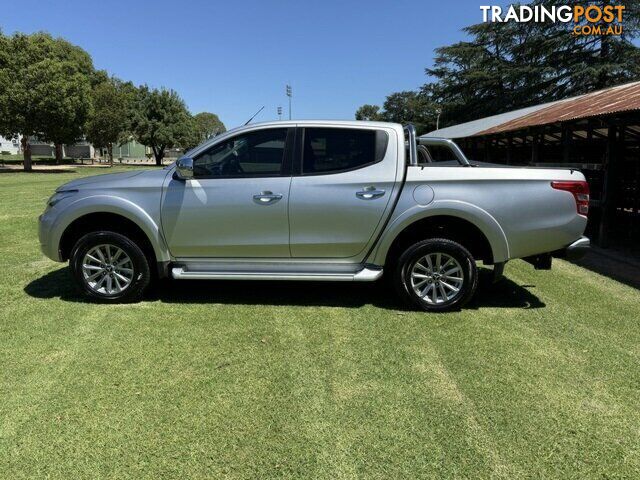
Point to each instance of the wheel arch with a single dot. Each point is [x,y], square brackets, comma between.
[127,219]
[474,228]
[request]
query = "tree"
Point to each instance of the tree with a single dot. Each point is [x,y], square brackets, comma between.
[402,107]
[368,112]
[193,136]
[509,65]
[6,92]
[63,101]
[161,120]
[13,120]
[479,78]
[109,121]
[48,92]
[409,107]
[513,65]
[208,125]
[585,63]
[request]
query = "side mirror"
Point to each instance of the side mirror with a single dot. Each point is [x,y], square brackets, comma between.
[184,168]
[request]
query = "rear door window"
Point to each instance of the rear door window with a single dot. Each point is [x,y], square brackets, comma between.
[333,150]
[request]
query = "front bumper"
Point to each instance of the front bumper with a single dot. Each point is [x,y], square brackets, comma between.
[48,246]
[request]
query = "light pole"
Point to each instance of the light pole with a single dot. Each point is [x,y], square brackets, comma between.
[289,94]
[438,112]
[279,113]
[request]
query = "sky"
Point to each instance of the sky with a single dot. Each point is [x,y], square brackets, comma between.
[231,58]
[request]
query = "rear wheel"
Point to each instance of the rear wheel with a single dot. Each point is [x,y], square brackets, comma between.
[109,267]
[436,275]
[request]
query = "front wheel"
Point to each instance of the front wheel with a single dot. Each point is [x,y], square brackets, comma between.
[109,267]
[437,275]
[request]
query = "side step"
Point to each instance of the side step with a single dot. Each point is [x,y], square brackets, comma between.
[367,274]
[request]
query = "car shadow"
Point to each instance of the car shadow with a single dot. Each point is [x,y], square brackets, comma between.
[503,294]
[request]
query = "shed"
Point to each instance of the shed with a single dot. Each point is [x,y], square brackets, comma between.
[597,133]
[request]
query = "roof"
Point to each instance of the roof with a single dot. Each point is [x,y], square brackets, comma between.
[602,102]
[354,123]
[472,128]
[288,123]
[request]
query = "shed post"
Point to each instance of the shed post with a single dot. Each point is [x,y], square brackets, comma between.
[608,184]
[566,143]
[535,147]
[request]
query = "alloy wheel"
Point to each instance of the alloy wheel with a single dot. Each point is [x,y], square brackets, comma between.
[437,278]
[107,269]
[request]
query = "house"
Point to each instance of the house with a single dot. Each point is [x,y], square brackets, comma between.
[10,145]
[80,149]
[129,150]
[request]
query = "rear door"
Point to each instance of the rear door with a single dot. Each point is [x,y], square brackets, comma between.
[342,186]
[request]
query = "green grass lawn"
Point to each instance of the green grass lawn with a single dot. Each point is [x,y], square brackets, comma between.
[538,378]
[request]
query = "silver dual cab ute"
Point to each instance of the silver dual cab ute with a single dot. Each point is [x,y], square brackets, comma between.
[315,200]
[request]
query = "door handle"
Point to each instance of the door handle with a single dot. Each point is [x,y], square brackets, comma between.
[369,193]
[266,198]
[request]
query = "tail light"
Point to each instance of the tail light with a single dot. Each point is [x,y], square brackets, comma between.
[580,191]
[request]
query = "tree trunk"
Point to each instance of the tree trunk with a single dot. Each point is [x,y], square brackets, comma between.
[59,153]
[110,150]
[26,152]
[158,152]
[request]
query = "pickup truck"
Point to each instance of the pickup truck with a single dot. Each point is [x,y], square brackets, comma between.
[315,200]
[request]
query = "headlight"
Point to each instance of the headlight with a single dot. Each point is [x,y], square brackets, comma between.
[59,196]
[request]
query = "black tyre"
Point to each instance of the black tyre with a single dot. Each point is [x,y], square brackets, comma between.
[109,267]
[437,275]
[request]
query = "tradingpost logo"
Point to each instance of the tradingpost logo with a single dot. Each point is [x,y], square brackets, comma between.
[586,19]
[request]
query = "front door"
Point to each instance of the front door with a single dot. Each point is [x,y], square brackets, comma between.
[236,204]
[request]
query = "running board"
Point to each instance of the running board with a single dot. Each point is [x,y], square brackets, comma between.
[364,275]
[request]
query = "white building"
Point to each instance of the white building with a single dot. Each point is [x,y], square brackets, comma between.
[11,145]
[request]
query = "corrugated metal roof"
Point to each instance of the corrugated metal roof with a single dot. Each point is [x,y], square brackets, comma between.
[610,100]
[472,128]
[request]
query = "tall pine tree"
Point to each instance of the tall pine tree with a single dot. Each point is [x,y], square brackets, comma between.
[512,65]
[509,65]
